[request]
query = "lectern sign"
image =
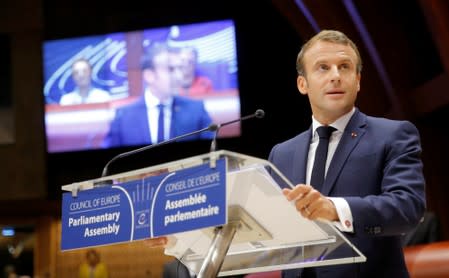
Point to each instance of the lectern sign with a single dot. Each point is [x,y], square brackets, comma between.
[173,202]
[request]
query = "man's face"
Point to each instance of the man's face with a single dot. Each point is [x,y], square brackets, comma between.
[176,70]
[81,73]
[164,80]
[331,80]
[188,59]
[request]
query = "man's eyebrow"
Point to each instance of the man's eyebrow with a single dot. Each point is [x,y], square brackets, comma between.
[347,60]
[320,61]
[325,61]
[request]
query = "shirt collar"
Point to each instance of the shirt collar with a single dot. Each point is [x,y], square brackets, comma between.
[152,101]
[340,124]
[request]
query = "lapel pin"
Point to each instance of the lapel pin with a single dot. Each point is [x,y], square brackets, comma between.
[353,134]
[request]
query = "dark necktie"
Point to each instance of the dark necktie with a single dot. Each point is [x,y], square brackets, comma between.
[160,124]
[319,166]
[317,179]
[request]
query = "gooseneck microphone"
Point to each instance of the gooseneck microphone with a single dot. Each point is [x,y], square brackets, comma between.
[211,127]
[258,114]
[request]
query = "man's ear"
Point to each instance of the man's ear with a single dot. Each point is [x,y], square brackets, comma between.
[301,83]
[359,77]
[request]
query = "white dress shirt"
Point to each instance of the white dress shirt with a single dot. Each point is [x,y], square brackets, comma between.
[152,103]
[343,210]
[95,95]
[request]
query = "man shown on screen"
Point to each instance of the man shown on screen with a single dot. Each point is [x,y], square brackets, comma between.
[160,113]
[84,92]
[192,84]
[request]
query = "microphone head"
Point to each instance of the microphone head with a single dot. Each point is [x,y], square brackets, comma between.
[213,127]
[259,113]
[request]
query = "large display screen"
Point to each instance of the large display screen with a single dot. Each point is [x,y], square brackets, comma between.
[140,87]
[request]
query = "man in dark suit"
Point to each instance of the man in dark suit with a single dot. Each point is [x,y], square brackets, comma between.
[373,188]
[160,114]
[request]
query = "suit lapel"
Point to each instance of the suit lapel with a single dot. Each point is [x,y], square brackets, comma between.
[300,158]
[141,121]
[351,136]
[175,110]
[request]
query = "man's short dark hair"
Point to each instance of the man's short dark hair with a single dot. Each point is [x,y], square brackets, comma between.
[332,36]
[147,61]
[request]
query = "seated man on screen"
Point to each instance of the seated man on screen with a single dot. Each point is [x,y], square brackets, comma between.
[84,92]
[160,114]
[192,84]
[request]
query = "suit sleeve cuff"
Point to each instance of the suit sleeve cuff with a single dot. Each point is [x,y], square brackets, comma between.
[344,214]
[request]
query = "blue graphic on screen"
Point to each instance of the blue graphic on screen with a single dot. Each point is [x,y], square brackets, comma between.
[108,55]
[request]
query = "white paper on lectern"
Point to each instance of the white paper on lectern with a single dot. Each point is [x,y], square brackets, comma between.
[258,194]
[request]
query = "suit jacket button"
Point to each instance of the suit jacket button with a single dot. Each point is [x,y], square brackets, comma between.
[369,230]
[377,230]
